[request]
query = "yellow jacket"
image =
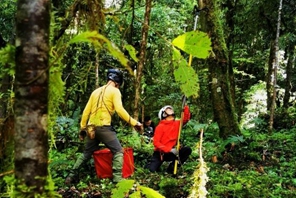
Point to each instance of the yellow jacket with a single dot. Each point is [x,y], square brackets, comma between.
[101,105]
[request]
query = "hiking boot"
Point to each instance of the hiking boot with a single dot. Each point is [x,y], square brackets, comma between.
[117,167]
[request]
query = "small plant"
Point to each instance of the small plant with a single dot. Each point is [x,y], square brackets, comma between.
[128,188]
[169,186]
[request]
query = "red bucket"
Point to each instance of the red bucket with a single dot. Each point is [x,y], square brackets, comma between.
[103,163]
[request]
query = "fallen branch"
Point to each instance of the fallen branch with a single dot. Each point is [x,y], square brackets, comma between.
[6,173]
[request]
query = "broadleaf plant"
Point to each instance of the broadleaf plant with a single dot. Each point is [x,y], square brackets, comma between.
[185,76]
[196,43]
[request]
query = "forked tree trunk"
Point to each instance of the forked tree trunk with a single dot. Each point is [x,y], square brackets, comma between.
[142,58]
[31,96]
[219,73]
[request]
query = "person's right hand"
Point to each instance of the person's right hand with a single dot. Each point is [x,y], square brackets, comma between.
[138,127]
[82,134]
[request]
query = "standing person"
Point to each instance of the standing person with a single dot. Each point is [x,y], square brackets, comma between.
[96,121]
[165,139]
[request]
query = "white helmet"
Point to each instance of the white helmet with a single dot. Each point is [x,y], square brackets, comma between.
[162,114]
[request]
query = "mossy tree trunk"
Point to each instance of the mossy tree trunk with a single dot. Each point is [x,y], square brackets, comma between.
[272,73]
[269,84]
[142,58]
[31,96]
[220,84]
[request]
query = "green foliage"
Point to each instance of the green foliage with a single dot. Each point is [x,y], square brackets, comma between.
[101,42]
[185,75]
[125,186]
[65,131]
[246,183]
[258,165]
[7,19]
[132,52]
[7,61]
[196,43]
[255,98]
[150,193]
[56,93]
[169,186]
[122,189]
[17,189]
[236,173]
[7,163]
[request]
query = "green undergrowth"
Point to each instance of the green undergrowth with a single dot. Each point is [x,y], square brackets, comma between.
[254,164]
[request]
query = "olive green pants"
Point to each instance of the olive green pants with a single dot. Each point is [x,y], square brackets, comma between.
[107,136]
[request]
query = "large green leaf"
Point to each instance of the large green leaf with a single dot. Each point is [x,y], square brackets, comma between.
[185,76]
[123,188]
[196,43]
[132,52]
[101,42]
[150,193]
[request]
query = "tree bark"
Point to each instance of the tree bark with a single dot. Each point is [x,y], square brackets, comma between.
[219,73]
[31,96]
[289,72]
[142,58]
[273,72]
[269,77]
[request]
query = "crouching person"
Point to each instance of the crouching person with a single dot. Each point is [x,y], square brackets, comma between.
[165,139]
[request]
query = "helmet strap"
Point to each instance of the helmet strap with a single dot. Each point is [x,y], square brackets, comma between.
[171,114]
[117,85]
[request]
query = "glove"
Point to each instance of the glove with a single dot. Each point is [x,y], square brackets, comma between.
[174,151]
[138,127]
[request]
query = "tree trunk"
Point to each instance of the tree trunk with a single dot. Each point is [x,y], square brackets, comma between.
[289,72]
[142,58]
[31,96]
[230,15]
[219,73]
[273,71]
[269,78]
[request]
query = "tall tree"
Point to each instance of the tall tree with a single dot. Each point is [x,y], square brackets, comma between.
[31,96]
[142,57]
[272,71]
[290,65]
[219,71]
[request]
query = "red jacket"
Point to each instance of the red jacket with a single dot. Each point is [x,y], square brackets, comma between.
[166,132]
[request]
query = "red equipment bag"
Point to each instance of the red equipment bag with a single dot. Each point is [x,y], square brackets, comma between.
[103,163]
